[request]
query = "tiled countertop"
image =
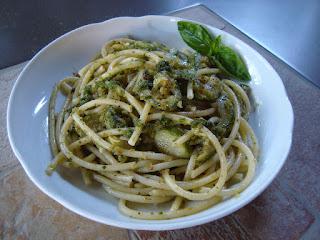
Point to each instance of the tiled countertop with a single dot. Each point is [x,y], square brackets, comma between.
[288,209]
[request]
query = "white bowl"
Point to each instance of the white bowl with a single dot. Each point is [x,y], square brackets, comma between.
[28,119]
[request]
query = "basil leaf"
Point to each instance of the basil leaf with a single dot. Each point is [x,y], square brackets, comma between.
[196,37]
[215,45]
[231,63]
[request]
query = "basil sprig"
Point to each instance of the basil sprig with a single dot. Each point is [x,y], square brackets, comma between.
[198,38]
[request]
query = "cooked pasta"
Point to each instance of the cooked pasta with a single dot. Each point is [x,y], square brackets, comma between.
[155,125]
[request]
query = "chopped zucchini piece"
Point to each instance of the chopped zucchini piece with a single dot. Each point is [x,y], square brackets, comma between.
[165,139]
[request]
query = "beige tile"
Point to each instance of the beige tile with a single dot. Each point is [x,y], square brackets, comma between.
[26,213]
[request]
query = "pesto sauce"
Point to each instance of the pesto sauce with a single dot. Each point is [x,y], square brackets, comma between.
[114,87]
[114,118]
[206,88]
[94,121]
[87,95]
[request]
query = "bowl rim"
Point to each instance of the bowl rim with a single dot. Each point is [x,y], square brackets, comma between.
[140,225]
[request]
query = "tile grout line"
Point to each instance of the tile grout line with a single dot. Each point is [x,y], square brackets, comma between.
[315,225]
[313,231]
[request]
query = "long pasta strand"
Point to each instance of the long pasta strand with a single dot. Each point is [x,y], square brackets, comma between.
[124,158]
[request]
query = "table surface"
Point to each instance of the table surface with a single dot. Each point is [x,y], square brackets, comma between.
[288,209]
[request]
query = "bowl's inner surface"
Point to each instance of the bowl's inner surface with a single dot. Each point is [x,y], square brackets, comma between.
[28,119]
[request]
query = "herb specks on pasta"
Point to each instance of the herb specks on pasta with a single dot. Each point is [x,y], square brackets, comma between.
[157,125]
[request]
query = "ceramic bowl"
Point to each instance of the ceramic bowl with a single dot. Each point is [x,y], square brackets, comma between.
[28,119]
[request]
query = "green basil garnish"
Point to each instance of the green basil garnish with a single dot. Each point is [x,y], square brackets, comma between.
[216,44]
[231,63]
[199,39]
[196,36]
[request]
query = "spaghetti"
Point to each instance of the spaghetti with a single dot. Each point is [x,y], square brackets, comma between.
[155,125]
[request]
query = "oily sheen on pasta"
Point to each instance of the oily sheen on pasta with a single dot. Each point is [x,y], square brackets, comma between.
[154,125]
